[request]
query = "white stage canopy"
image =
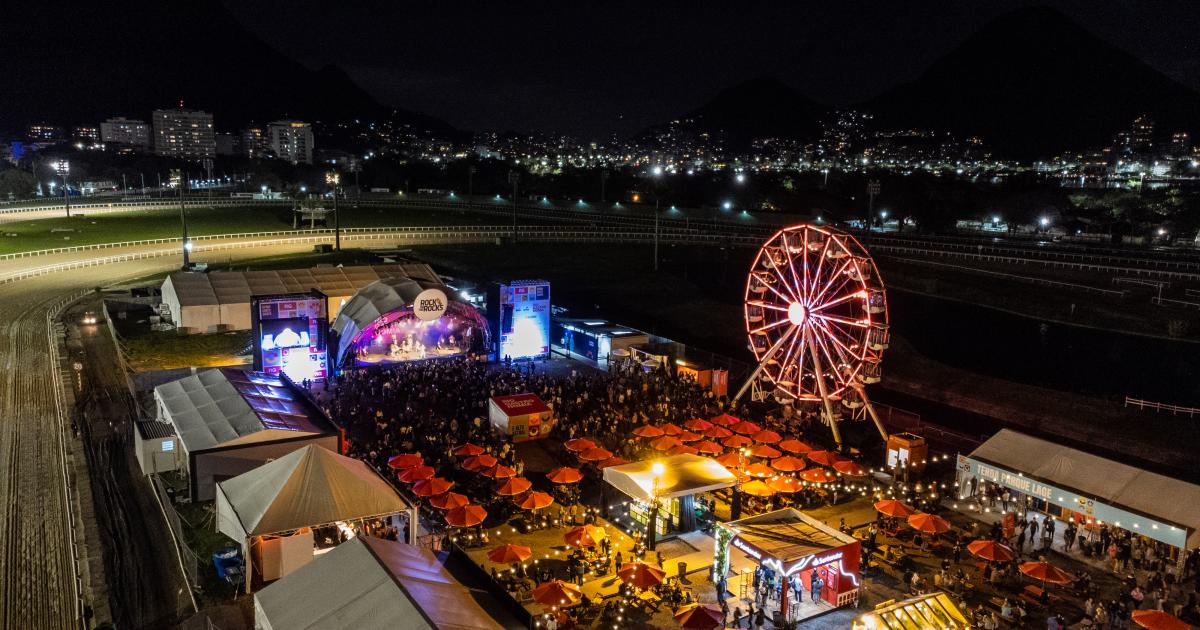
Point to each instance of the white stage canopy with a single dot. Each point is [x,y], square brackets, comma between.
[682,475]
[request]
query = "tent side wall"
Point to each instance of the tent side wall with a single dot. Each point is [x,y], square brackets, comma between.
[209,467]
[171,298]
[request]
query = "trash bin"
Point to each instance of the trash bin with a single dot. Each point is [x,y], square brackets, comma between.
[682,570]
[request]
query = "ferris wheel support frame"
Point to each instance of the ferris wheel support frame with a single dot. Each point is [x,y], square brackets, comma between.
[862,394]
[833,422]
[761,365]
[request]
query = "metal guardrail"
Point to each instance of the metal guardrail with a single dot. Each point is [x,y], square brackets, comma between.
[1012,276]
[1011,260]
[1175,410]
[1162,301]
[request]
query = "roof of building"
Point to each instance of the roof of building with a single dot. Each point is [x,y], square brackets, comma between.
[228,406]
[682,475]
[520,404]
[371,584]
[933,610]
[152,429]
[788,534]
[235,287]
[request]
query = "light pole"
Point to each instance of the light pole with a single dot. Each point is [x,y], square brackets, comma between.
[657,172]
[187,246]
[603,181]
[332,178]
[470,182]
[872,190]
[63,167]
[514,178]
[657,471]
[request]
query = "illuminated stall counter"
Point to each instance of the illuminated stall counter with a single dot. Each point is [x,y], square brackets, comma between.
[934,610]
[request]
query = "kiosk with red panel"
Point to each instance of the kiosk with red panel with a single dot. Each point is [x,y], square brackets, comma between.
[522,417]
[786,549]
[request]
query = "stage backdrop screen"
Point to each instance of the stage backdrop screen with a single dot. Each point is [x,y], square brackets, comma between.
[524,320]
[290,335]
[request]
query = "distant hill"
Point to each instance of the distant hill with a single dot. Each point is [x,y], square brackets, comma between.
[1033,83]
[757,108]
[82,62]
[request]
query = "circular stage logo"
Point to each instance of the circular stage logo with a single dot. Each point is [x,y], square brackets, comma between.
[430,305]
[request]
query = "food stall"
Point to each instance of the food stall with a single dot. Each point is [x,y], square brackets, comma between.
[933,610]
[522,417]
[681,477]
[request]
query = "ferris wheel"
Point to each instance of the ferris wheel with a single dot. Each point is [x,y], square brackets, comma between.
[816,317]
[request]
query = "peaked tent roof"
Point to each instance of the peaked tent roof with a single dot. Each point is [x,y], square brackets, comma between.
[371,584]
[307,487]
[682,475]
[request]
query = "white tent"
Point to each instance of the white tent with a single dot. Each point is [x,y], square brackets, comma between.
[370,584]
[1119,485]
[683,475]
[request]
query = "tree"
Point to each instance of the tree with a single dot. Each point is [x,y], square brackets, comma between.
[16,184]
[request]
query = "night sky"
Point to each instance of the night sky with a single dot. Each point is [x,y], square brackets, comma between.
[596,68]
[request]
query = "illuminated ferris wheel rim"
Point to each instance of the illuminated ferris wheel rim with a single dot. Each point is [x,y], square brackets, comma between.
[814,295]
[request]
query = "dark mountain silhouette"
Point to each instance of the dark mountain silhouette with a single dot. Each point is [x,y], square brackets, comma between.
[1033,83]
[81,62]
[758,108]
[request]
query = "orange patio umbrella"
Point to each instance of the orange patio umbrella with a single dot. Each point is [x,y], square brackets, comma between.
[564,475]
[764,450]
[757,488]
[818,475]
[648,431]
[718,433]
[508,554]
[468,450]
[670,429]
[893,508]
[928,523]
[536,501]
[641,575]
[578,445]
[767,436]
[479,462]
[737,441]
[708,447]
[1046,572]
[824,458]
[405,460]
[432,487]
[729,460]
[688,436]
[850,468]
[696,424]
[725,420]
[585,536]
[449,501]
[794,446]
[596,454]
[700,617]
[514,486]
[466,516]
[1159,620]
[415,474]
[759,470]
[990,550]
[665,443]
[787,463]
[683,449]
[557,593]
[785,484]
[500,472]
[745,427]
[612,461]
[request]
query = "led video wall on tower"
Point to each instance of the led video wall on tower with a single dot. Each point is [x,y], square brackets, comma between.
[520,315]
[290,333]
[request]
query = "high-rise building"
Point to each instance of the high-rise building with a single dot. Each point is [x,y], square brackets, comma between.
[43,132]
[292,140]
[255,142]
[183,133]
[1181,142]
[123,131]
[1142,134]
[86,134]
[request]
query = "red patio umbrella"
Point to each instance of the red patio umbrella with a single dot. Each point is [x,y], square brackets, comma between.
[468,450]
[757,488]
[557,593]
[405,460]
[786,484]
[745,427]
[665,443]
[764,450]
[670,429]
[641,575]
[824,458]
[718,433]
[928,523]
[787,463]
[725,420]
[414,474]
[1046,572]
[500,471]
[648,431]
[514,486]
[893,508]
[508,554]
[729,460]
[737,441]
[767,436]
[466,516]
[596,454]
[850,468]
[432,487]
[818,475]
[708,447]
[759,470]
[990,550]
[700,617]
[683,449]
[564,475]
[698,425]
[536,501]
[449,501]
[794,446]
[1159,620]
[578,445]
[479,462]
[612,461]
[585,536]
[688,436]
